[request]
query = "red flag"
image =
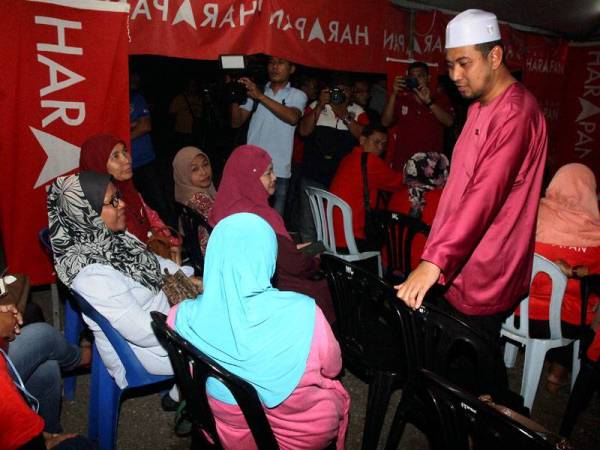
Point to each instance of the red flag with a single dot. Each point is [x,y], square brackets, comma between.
[65,79]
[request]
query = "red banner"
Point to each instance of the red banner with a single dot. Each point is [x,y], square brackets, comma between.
[64,79]
[355,36]
[579,118]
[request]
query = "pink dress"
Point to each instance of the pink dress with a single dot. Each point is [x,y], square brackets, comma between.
[314,415]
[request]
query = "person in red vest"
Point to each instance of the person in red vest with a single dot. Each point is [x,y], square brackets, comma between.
[348,183]
[421,115]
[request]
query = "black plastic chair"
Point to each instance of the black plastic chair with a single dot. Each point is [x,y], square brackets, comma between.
[588,379]
[191,222]
[192,368]
[401,230]
[453,419]
[370,329]
[446,346]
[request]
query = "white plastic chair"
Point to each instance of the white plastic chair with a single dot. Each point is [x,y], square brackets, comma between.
[322,204]
[535,349]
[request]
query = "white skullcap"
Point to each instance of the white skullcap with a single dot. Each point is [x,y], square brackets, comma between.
[471,27]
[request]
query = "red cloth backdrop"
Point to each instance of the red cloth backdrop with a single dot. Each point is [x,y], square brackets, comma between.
[337,34]
[64,66]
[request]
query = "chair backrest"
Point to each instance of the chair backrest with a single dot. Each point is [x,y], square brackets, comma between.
[559,284]
[192,368]
[459,420]
[44,237]
[135,373]
[401,230]
[442,341]
[191,222]
[371,327]
[322,204]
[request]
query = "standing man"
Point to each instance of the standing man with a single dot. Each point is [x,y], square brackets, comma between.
[272,126]
[422,115]
[482,239]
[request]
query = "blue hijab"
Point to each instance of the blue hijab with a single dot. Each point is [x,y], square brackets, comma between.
[255,331]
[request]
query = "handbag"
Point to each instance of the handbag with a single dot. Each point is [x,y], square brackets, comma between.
[375,227]
[178,287]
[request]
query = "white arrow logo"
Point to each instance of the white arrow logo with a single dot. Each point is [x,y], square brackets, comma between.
[62,156]
[185,14]
[587,109]
[316,32]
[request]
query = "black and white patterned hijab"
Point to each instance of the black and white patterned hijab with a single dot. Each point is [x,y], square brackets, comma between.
[80,237]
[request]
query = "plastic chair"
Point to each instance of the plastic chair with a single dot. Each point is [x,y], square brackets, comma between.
[401,230]
[535,349]
[192,368]
[190,222]
[371,333]
[446,346]
[105,395]
[454,419]
[588,379]
[73,324]
[322,204]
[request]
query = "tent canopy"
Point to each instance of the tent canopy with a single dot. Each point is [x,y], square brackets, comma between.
[577,20]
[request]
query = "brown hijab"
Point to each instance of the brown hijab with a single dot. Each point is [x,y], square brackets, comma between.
[182,174]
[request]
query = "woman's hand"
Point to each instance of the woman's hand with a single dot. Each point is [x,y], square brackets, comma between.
[176,255]
[564,268]
[52,439]
[197,281]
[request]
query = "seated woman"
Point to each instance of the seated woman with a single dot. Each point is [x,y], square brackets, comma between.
[278,341]
[425,175]
[104,153]
[39,353]
[109,267]
[194,187]
[568,233]
[248,181]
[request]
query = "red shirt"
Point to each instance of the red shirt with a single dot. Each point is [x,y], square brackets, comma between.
[541,288]
[348,185]
[482,237]
[417,129]
[18,423]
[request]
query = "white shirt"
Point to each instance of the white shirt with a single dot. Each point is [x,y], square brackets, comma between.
[127,306]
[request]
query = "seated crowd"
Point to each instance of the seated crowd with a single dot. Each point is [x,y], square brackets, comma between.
[266,312]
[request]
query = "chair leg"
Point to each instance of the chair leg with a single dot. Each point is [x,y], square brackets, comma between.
[95,394]
[534,362]
[587,381]
[380,390]
[55,306]
[510,354]
[576,363]
[73,328]
[108,407]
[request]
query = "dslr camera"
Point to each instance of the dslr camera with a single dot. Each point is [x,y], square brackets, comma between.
[412,83]
[337,96]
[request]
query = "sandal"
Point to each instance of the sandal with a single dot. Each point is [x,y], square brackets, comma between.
[558,378]
[85,360]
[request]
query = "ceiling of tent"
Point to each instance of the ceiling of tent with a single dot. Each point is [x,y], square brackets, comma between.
[573,19]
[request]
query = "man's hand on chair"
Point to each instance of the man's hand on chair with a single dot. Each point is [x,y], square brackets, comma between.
[419,281]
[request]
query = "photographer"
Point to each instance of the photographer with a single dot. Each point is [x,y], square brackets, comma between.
[421,116]
[332,126]
[273,121]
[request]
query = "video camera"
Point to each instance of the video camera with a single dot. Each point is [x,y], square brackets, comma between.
[412,83]
[235,66]
[337,96]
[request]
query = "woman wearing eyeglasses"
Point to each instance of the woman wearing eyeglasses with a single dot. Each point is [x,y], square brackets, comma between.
[95,256]
[105,153]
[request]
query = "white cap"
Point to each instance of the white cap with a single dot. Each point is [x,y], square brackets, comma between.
[471,27]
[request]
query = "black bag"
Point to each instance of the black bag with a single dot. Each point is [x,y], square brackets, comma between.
[375,227]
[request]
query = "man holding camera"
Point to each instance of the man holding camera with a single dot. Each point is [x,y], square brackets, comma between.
[273,121]
[332,125]
[421,116]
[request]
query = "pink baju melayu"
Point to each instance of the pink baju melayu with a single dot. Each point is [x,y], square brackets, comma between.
[482,237]
[313,416]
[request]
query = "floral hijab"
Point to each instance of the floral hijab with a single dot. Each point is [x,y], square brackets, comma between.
[80,237]
[424,172]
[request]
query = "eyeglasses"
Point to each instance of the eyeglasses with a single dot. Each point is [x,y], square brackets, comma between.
[114,200]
